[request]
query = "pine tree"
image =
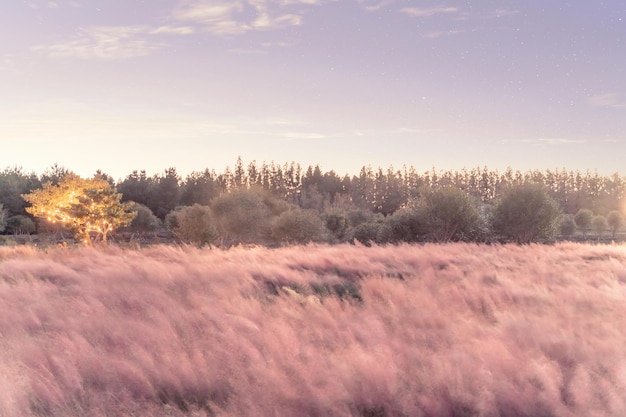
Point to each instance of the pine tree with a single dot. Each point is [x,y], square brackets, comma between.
[87,206]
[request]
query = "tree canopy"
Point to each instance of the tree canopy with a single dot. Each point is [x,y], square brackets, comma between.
[86,206]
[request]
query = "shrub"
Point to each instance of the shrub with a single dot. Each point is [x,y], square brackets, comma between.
[583,220]
[337,223]
[298,226]
[525,214]
[615,221]
[567,226]
[193,224]
[19,225]
[599,225]
[145,221]
[245,216]
[448,214]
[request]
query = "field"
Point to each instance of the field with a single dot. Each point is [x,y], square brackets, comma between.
[455,330]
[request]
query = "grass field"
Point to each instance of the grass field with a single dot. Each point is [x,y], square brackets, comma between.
[454,330]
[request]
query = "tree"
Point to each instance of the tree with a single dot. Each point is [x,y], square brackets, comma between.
[193,224]
[298,226]
[3,218]
[244,216]
[165,194]
[448,214]
[615,221]
[406,225]
[87,206]
[525,214]
[20,225]
[13,183]
[583,220]
[337,223]
[144,221]
[568,226]
[599,225]
[55,174]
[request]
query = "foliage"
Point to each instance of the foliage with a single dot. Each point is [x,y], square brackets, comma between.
[145,221]
[406,225]
[525,214]
[20,225]
[13,183]
[583,220]
[359,197]
[3,218]
[298,226]
[615,220]
[599,225]
[337,223]
[245,216]
[374,231]
[568,225]
[448,214]
[87,206]
[193,224]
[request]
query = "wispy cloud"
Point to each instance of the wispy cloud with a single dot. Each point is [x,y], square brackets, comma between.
[112,42]
[172,30]
[551,141]
[426,12]
[439,34]
[228,18]
[374,5]
[107,43]
[607,100]
[192,16]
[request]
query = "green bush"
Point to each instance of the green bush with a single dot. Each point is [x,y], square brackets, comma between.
[525,214]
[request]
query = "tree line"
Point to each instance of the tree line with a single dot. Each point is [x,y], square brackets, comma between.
[277,204]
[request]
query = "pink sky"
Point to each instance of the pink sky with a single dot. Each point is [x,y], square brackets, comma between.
[120,85]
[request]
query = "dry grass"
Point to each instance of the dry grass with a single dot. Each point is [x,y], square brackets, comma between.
[453,330]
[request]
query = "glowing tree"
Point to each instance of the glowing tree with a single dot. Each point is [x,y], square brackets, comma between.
[87,206]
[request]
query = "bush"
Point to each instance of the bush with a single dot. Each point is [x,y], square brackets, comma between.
[20,225]
[245,216]
[193,224]
[615,221]
[448,214]
[298,226]
[583,220]
[144,221]
[3,218]
[405,225]
[525,214]
[370,232]
[337,223]
[599,225]
[567,226]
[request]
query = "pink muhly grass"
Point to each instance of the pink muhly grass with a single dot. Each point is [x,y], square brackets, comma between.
[433,330]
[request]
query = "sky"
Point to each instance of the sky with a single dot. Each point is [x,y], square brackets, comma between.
[123,85]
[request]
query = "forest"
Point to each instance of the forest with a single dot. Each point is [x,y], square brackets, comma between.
[273,204]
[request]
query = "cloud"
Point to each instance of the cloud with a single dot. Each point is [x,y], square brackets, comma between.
[373,6]
[304,135]
[229,18]
[104,42]
[607,100]
[439,34]
[172,30]
[219,17]
[551,141]
[426,12]
[112,42]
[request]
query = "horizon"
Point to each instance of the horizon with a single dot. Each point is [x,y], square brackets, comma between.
[184,174]
[193,84]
